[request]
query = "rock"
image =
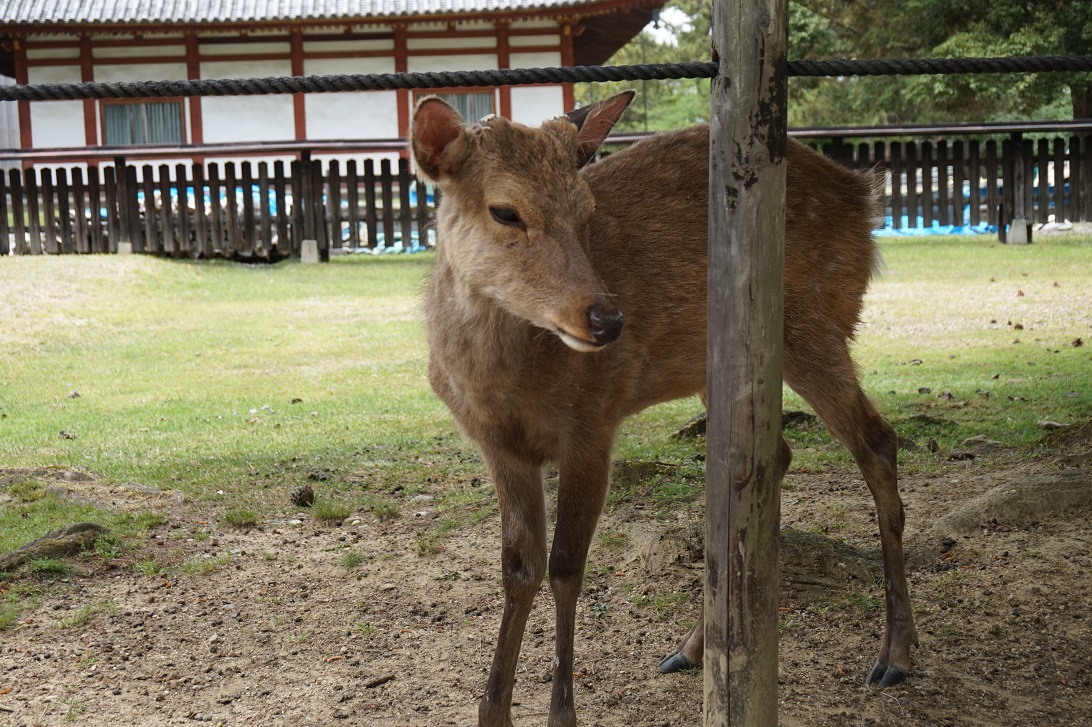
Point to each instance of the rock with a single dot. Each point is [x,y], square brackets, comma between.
[1011,502]
[69,540]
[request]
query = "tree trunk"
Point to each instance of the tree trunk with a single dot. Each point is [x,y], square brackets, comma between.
[1081,91]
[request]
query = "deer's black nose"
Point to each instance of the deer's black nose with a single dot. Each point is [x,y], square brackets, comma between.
[604,323]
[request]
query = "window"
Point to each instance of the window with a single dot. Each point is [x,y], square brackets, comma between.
[151,122]
[471,106]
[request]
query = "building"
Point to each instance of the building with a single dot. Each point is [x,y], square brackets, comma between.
[71,41]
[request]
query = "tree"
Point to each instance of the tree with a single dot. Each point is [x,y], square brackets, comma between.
[662,104]
[826,29]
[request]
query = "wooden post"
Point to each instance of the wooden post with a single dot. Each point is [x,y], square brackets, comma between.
[746,271]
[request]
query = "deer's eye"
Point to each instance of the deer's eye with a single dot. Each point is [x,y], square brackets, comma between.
[506,216]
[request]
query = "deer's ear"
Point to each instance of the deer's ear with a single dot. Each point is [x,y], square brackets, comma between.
[437,139]
[595,122]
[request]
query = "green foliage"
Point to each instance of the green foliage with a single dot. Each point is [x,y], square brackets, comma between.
[866,29]
[662,104]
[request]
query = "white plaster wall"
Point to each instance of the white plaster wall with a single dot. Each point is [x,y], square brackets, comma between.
[330,46]
[53,74]
[524,40]
[536,60]
[535,104]
[533,24]
[247,48]
[470,62]
[113,73]
[142,51]
[413,44]
[56,123]
[359,115]
[247,118]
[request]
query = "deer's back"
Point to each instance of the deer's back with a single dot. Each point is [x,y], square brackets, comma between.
[650,242]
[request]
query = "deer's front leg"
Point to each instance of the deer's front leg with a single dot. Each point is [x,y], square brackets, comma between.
[582,487]
[523,564]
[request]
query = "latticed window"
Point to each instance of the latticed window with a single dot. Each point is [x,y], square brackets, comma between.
[152,122]
[471,106]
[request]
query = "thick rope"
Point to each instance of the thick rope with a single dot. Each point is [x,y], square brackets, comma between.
[525,76]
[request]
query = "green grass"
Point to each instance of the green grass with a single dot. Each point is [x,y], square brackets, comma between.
[231,384]
[240,518]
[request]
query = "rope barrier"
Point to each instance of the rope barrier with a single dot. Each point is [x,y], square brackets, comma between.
[524,76]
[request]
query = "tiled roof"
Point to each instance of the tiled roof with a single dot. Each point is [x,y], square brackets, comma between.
[128,12]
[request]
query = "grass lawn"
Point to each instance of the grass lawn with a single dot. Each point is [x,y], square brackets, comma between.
[232,384]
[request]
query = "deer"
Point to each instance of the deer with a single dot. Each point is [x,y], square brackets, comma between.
[567,295]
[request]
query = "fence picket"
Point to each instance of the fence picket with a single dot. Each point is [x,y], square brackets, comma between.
[1077,192]
[284,242]
[127,197]
[231,211]
[405,214]
[64,212]
[1041,181]
[249,232]
[352,194]
[265,225]
[371,214]
[95,219]
[387,191]
[18,219]
[5,233]
[898,205]
[1060,212]
[333,179]
[151,239]
[943,215]
[34,230]
[974,167]
[201,214]
[79,212]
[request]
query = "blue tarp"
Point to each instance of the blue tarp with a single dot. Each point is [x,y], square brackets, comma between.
[920,230]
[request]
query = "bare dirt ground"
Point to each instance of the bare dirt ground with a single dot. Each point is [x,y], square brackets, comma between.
[287,631]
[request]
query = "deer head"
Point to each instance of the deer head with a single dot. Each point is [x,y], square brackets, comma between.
[514,222]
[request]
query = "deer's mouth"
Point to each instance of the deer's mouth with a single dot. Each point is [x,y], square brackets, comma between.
[577,343]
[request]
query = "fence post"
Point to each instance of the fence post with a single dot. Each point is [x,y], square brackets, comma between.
[1020,229]
[746,272]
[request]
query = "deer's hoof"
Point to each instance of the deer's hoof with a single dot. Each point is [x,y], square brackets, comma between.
[675,661]
[885,675]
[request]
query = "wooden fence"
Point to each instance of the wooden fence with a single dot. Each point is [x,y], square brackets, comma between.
[959,175]
[237,211]
[970,181]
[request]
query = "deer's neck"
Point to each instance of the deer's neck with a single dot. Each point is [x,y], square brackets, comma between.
[480,345]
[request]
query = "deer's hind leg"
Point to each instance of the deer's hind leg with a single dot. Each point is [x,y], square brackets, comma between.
[689,653]
[824,375]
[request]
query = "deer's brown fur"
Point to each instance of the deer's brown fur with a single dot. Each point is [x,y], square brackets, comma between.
[520,353]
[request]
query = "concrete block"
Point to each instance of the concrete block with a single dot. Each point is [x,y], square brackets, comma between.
[309,252]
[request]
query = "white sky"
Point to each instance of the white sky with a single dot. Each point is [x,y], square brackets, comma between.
[669,15]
